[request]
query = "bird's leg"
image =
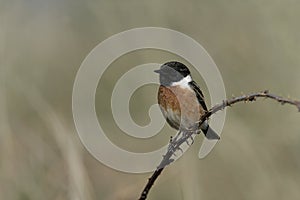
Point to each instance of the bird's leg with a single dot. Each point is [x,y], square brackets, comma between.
[187,140]
[192,141]
[189,134]
[174,139]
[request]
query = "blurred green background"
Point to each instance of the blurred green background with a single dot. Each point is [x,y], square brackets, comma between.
[255,44]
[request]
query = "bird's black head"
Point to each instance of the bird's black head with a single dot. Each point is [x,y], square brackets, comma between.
[171,72]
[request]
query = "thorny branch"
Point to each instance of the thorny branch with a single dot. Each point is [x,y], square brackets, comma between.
[175,144]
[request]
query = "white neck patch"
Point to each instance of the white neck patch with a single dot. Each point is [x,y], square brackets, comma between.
[184,83]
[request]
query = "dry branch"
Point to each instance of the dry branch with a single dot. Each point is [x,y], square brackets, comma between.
[174,145]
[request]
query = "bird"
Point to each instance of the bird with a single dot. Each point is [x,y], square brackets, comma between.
[181,100]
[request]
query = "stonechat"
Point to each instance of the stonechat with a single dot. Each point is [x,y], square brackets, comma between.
[181,100]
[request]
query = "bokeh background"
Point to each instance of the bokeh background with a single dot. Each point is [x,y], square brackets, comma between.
[255,44]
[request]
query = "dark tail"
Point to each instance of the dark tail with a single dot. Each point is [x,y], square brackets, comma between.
[209,132]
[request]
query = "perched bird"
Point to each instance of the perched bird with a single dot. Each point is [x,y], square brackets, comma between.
[181,100]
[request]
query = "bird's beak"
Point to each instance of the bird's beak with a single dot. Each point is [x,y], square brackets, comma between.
[157,71]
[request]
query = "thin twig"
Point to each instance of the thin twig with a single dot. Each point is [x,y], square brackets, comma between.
[174,145]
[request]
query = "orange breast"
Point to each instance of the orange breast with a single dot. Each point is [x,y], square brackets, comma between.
[184,102]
